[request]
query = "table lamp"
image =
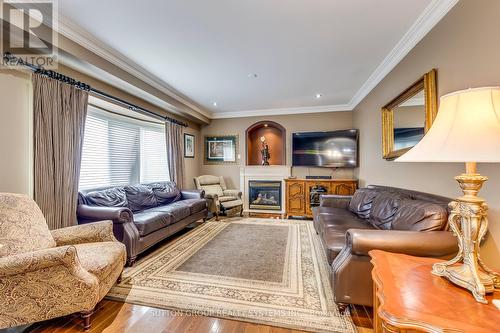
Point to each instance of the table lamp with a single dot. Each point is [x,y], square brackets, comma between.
[466,129]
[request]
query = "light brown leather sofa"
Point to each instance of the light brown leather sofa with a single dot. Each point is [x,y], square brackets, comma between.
[383,218]
[46,274]
[220,199]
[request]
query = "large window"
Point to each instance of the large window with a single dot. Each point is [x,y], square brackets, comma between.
[118,150]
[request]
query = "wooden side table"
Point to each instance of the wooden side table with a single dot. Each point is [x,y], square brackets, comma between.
[408,298]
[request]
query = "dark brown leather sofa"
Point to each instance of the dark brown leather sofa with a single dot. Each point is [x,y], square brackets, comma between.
[142,214]
[383,218]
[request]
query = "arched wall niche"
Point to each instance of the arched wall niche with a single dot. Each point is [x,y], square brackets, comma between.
[275,135]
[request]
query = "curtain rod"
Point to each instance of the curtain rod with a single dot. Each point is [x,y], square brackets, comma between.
[80,85]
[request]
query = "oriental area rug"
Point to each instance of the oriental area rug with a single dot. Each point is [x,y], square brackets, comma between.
[264,271]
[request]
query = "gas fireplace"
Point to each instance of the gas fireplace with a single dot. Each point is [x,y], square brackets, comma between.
[264,194]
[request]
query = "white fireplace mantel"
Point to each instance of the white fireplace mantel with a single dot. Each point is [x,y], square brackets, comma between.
[258,172]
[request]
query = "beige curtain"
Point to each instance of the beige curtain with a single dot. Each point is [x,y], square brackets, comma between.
[173,135]
[59,121]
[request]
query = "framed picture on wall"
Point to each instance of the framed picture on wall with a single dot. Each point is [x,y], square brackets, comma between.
[189,145]
[221,149]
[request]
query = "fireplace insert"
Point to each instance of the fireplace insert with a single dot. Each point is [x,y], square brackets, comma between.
[264,194]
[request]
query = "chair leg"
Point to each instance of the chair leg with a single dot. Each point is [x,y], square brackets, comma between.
[131,261]
[119,280]
[216,216]
[86,318]
[241,212]
[342,307]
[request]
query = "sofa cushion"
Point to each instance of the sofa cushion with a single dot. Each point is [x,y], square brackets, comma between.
[226,198]
[344,221]
[231,204]
[213,189]
[208,180]
[384,207]
[195,205]
[333,241]
[140,197]
[361,202]
[339,219]
[112,197]
[419,215]
[178,210]
[149,221]
[22,226]
[165,192]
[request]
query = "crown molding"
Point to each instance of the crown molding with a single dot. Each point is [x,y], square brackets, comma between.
[281,111]
[100,74]
[432,14]
[93,44]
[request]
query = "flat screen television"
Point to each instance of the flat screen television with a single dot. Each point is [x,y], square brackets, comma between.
[335,149]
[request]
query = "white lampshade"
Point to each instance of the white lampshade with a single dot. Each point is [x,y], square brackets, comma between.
[466,129]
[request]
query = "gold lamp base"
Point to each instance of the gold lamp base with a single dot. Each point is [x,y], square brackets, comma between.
[469,223]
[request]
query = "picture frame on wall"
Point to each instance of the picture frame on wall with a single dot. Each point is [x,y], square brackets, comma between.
[221,149]
[189,144]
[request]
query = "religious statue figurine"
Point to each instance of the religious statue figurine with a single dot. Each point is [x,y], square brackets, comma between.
[264,151]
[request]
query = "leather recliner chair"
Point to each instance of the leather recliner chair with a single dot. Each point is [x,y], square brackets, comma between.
[220,199]
[383,218]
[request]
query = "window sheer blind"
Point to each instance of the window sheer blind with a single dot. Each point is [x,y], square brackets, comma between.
[118,150]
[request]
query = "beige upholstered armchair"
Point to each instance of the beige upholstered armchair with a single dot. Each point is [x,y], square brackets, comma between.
[46,274]
[219,198]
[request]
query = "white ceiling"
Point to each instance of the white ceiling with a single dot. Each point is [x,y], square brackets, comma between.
[298,48]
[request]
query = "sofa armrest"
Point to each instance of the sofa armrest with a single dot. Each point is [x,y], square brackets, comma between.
[192,194]
[335,201]
[437,244]
[212,202]
[28,262]
[124,228]
[95,213]
[44,284]
[85,233]
[233,193]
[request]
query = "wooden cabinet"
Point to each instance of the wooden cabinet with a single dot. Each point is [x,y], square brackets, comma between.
[295,198]
[298,193]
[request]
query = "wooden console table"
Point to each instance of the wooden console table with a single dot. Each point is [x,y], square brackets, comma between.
[408,298]
[298,193]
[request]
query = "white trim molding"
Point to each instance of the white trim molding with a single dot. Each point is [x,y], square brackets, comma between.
[282,111]
[432,14]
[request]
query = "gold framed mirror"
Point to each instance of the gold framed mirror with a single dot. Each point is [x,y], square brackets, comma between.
[407,118]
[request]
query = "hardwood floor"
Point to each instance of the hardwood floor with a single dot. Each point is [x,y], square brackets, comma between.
[362,317]
[112,316]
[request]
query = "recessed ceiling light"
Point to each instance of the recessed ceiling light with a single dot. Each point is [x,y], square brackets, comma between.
[318,96]
[252,75]
[214,103]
